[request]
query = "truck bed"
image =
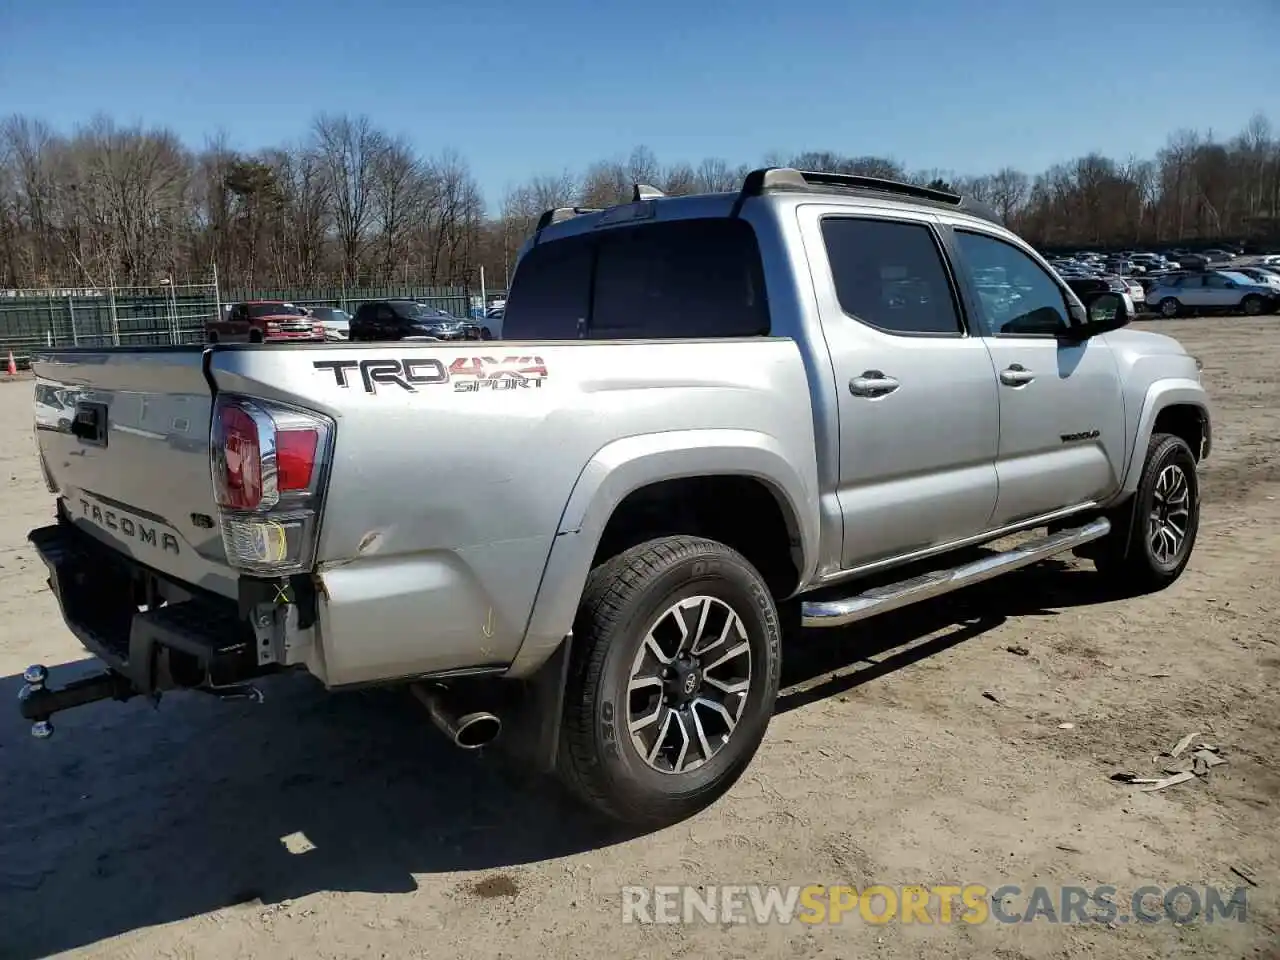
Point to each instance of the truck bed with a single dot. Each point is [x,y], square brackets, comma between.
[454,468]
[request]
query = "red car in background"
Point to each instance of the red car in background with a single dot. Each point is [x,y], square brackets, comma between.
[264,321]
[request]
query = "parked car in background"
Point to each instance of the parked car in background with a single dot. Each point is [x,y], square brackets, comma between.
[1137,292]
[491,326]
[1218,291]
[1086,286]
[403,319]
[337,322]
[1260,275]
[1217,255]
[260,321]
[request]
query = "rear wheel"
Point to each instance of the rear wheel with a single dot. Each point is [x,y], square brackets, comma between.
[213,336]
[674,672]
[1152,537]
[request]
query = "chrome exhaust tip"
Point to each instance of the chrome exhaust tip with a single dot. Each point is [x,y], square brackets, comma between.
[469,731]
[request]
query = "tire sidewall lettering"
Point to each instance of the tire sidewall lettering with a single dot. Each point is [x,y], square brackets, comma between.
[749,598]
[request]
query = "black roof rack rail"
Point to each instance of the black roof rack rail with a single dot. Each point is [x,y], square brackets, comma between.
[643,191]
[787,179]
[559,214]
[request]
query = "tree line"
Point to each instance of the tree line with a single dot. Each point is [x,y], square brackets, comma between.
[352,204]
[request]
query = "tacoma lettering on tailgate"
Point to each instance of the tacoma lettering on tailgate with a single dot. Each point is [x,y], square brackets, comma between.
[134,529]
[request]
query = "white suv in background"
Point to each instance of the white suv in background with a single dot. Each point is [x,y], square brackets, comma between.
[1212,290]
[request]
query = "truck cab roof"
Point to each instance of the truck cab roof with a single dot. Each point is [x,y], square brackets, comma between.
[778,183]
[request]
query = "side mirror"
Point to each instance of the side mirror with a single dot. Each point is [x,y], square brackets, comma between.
[1106,311]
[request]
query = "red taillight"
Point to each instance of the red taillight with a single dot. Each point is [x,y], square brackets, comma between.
[295,458]
[241,455]
[268,509]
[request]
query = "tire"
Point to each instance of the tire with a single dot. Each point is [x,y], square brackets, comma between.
[1252,305]
[1127,554]
[213,336]
[638,594]
[1170,307]
[255,336]
[485,334]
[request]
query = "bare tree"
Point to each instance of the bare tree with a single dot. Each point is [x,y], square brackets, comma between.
[128,204]
[399,194]
[349,148]
[1009,190]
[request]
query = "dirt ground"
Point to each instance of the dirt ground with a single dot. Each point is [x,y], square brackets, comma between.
[343,826]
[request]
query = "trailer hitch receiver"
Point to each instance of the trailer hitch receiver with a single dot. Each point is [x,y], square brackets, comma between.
[38,701]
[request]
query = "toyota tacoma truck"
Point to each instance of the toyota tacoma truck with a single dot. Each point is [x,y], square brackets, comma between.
[712,421]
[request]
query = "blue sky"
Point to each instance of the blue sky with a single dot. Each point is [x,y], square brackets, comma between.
[521,88]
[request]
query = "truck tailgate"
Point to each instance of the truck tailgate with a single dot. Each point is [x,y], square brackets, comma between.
[126,447]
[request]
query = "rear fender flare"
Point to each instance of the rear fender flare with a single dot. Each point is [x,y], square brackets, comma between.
[626,465]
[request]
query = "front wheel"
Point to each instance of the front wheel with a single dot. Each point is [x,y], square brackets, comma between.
[1169,307]
[1150,544]
[674,671]
[1252,306]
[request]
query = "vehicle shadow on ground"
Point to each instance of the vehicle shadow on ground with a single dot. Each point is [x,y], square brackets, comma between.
[825,663]
[134,816]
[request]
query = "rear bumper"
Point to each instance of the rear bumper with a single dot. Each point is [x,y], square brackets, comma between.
[157,634]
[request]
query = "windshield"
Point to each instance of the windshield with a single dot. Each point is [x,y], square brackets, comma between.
[420,311]
[258,310]
[412,311]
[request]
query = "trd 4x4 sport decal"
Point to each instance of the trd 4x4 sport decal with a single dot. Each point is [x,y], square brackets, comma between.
[467,374]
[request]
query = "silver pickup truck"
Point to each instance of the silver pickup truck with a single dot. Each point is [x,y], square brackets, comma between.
[711,420]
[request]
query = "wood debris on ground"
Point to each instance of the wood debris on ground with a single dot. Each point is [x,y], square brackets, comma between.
[1177,765]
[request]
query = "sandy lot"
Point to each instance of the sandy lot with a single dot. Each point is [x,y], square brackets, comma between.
[344,826]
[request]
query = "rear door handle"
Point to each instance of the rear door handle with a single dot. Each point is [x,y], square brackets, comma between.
[1016,375]
[872,383]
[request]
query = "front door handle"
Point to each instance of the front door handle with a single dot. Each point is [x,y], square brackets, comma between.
[1016,375]
[872,383]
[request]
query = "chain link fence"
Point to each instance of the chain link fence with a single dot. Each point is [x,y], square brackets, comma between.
[170,313]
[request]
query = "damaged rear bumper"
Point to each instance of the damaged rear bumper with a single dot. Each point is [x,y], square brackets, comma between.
[151,633]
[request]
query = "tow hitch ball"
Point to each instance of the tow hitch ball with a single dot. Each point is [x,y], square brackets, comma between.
[38,702]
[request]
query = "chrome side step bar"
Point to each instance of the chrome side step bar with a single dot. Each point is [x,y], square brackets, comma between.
[837,613]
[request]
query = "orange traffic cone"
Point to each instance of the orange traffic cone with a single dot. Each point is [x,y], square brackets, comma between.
[13,367]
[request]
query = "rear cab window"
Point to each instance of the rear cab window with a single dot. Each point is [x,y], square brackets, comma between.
[692,278]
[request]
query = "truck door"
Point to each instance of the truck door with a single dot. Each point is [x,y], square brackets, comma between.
[1062,424]
[238,323]
[917,401]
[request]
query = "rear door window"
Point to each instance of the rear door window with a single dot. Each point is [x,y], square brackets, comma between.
[890,275]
